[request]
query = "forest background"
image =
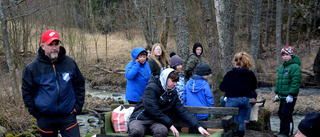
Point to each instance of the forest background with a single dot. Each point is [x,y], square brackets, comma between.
[100,35]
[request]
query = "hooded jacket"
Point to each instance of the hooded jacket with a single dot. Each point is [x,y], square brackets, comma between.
[158,104]
[239,82]
[192,62]
[197,93]
[137,75]
[289,78]
[52,88]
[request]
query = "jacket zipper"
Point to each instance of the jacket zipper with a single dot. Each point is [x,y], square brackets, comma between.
[55,74]
[139,114]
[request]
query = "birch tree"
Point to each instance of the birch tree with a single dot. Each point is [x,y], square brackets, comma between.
[214,51]
[182,33]
[255,37]
[279,31]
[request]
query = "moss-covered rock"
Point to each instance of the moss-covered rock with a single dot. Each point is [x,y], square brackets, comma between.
[9,135]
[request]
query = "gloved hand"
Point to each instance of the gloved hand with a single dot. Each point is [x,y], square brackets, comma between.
[225,99]
[276,97]
[289,99]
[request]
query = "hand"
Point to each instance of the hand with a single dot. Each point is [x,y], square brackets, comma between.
[276,98]
[74,110]
[289,99]
[225,99]
[174,131]
[137,60]
[203,131]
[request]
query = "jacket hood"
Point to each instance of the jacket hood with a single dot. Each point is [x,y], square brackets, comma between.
[43,57]
[135,52]
[294,60]
[197,83]
[164,76]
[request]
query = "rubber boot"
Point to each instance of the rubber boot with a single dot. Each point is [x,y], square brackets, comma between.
[240,133]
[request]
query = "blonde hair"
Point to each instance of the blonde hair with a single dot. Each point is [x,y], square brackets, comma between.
[243,60]
[163,57]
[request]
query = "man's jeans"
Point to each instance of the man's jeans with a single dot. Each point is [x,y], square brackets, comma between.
[243,104]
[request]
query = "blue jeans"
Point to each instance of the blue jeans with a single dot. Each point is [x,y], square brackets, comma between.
[247,119]
[243,104]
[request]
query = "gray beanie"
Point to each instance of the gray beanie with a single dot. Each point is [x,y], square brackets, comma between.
[175,61]
[203,69]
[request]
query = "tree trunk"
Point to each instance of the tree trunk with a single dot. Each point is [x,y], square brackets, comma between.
[9,58]
[289,23]
[214,51]
[219,9]
[165,24]
[315,15]
[182,33]
[228,28]
[279,31]
[309,26]
[255,37]
[269,20]
[144,23]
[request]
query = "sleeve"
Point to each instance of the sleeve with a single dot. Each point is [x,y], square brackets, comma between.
[224,84]
[150,103]
[296,80]
[209,96]
[184,95]
[29,88]
[276,88]
[79,89]
[152,66]
[132,69]
[191,63]
[186,116]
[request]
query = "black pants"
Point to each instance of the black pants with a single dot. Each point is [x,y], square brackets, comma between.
[285,115]
[66,124]
[139,128]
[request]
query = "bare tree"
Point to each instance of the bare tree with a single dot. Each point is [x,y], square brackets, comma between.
[279,30]
[310,25]
[214,49]
[255,37]
[289,22]
[5,39]
[269,20]
[165,23]
[182,33]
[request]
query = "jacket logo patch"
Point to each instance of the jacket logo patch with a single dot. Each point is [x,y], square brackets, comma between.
[66,77]
[286,71]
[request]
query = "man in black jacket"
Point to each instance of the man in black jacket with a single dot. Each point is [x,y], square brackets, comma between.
[53,89]
[160,99]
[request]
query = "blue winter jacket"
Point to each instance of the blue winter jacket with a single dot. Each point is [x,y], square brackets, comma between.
[137,75]
[197,93]
[52,88]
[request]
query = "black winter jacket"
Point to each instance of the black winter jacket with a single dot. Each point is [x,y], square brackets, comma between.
[239,82]
[158,105]
[52,88]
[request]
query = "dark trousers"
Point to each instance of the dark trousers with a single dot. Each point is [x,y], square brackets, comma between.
[139,128]
[285,115]
[66,124]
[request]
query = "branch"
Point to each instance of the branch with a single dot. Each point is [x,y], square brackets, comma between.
[24,15]
[11,5]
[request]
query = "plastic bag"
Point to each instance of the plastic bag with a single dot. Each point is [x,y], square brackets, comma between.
[120,119]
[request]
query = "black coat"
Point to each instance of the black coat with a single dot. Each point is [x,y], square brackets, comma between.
[239,82]
[159,105]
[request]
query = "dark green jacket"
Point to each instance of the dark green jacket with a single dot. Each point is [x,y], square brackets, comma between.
[192,62]
[289,78]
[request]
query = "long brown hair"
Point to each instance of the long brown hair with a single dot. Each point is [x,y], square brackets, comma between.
[243,60]
[163,57]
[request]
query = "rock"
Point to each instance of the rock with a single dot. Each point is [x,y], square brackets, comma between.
[3,130]
[91,120]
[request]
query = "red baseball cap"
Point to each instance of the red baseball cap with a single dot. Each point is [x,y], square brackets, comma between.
[49,35]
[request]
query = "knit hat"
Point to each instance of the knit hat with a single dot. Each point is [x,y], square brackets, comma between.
[172,54]
[175,61]
[195,46]
[287,50]
[310,125]
[203,69]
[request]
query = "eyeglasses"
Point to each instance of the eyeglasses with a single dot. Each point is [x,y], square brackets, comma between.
[158,49]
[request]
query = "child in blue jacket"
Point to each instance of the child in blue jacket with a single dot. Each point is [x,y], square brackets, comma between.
[197,91]
[137,73]
[176,63]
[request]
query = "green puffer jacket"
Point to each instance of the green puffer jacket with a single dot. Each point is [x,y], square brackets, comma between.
[289,78]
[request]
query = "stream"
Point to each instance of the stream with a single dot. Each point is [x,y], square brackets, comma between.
[86,126]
